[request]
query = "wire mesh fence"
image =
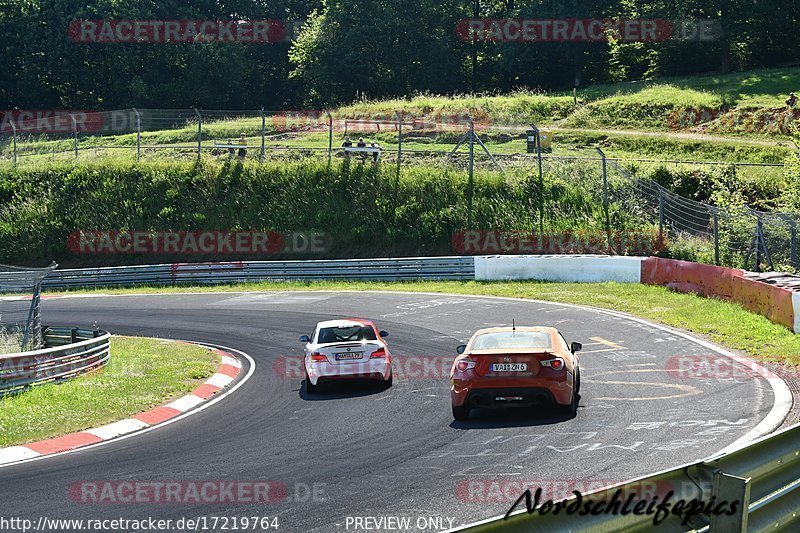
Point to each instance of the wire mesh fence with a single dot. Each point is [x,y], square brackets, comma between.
[20,315]
[541,192]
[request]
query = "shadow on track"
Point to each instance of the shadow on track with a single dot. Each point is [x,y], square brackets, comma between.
[345,389]
[512,418]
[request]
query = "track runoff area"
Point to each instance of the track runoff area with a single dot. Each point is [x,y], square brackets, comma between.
[356,457]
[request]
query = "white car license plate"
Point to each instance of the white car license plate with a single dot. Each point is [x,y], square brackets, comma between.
[509,367]
[348,355]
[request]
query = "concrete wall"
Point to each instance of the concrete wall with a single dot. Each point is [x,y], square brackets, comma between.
[565,268]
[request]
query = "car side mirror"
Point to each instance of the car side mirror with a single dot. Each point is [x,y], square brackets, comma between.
[304,338]
[575,347]
[384,333]
[462,348]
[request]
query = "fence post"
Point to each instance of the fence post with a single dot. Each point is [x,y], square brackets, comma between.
[199,130]
[138,134]
[605,199]
[330,134]
[75,133]
[399,141]
[470,167]
[14,139]
[263,135]
[541,178]
[715,215]
[660,215]
[759,238]
[793,243]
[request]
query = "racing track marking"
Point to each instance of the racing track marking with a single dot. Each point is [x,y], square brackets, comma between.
[128,428]
[782,396]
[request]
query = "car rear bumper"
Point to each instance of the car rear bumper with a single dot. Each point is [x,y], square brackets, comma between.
[375,369]
[493,397]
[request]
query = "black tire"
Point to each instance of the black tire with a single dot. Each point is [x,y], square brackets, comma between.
[577,381]
[571,409]
[388,382]
[311,389]
[461,413]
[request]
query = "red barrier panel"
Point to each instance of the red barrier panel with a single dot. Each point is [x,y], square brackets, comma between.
[768,300]
[685,276]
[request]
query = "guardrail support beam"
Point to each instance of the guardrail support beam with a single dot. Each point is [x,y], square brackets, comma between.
[731,489]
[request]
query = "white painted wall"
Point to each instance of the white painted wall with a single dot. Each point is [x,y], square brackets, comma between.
[796,306]
[565,268]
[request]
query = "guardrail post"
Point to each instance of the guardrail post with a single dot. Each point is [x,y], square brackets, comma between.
[605,199]
[138,134]
[263,135]
[541,178]
[199,130]
[731,488]
[75,133]
[14,139]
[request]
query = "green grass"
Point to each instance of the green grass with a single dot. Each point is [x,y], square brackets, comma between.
[141,374]
[724,323]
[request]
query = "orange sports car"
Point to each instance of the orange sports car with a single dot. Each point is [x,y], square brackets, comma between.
[501,367]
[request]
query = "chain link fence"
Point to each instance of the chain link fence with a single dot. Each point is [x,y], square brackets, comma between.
[20,314]
[535,192]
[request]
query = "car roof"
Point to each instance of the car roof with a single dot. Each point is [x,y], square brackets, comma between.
[344,323]
[508,329]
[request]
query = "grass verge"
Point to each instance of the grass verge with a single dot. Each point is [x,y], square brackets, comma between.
[142,373]
[723,323]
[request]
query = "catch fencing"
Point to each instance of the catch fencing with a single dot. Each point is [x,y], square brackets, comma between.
[69,352]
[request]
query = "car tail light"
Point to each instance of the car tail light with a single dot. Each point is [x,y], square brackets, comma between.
[380,353]
[556,363]
[464,365]
[318,358]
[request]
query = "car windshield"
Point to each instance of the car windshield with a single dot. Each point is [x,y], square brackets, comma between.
[346,333]
[512,339]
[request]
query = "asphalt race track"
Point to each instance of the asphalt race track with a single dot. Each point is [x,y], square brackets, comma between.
[373,451]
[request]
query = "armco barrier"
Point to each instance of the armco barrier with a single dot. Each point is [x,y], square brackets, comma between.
[763,477]
[69,352]
[446,268]
[565,268]
[776,303]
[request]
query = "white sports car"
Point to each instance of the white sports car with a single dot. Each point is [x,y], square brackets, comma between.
[346,349]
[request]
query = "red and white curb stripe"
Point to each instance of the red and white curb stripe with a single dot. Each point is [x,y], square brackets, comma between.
[227,371]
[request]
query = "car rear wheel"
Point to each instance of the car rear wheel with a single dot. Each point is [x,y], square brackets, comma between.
[388,382]
[310,388]
[461,413]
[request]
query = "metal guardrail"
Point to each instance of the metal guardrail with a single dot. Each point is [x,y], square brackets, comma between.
[413,268]
[69,352]
[764,477]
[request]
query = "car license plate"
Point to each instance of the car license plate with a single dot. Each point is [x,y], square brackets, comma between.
[509,367]
[348,355]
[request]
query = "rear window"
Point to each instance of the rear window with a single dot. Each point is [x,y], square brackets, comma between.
[344,334]
[508,339]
